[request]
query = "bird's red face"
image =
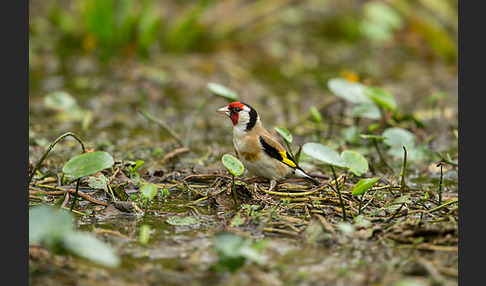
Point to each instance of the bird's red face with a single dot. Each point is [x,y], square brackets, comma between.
[232,111]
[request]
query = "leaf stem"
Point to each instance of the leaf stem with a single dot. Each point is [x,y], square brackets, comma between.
[41,160]
[360,202]
[233,191]
[339,193]
[75,195]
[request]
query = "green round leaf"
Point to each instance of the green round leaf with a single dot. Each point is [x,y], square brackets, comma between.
[88,246]
[284,133]
[323,153]
[222,91]
[366,110]
[381,97]
[48,225]
[60,101]
[87,164]
[398,137]
[348,90]
[149,191]
[355,162]
[363,185]
[233,164]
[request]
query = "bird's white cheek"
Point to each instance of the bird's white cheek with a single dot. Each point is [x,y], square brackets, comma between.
[243,118]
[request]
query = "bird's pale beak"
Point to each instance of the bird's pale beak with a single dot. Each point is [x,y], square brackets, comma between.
[224,110]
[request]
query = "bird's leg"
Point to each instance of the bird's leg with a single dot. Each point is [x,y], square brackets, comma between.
[273,185]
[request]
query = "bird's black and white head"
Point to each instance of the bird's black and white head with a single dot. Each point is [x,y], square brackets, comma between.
[242,115]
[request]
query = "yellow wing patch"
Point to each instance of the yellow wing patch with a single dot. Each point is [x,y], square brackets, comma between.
[287,160]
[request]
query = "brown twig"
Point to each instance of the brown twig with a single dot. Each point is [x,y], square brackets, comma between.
[71,191]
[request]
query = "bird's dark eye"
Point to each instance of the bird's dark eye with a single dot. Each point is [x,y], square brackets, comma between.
[237,109]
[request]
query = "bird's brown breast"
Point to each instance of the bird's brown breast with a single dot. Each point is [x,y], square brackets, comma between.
[248,156]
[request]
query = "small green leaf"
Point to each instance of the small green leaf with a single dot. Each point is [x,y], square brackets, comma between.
[135,165]
[233,250]
[87,164]
[398,137]
[381,97]
[366,110]
[53,228]
[187,220]
[323,153]
[48,225]
[380,21]
[61,101]
[355,162]
[223,91]
[149,191]
[233,164]
[88,246]
[348,90]
[286,135]
[364,185]
[316,115]
[405,199]
[350,134]
[164,192]
[99,182]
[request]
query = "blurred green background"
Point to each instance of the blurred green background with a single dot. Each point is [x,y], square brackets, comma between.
[113,57]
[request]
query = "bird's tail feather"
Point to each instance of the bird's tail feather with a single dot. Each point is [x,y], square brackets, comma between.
[303,174]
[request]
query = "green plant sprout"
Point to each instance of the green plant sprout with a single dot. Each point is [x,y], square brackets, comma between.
[236,168]
[361,187]
[101,182]
[349,159]
[330,157]
[147,192]
[86,164]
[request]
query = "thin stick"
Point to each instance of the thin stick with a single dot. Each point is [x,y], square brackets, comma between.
[61,192]
[162,124]
[50,148]
[444,205]
[404,168]
[440,181]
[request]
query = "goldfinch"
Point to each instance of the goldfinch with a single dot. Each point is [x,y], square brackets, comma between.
[260,152]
